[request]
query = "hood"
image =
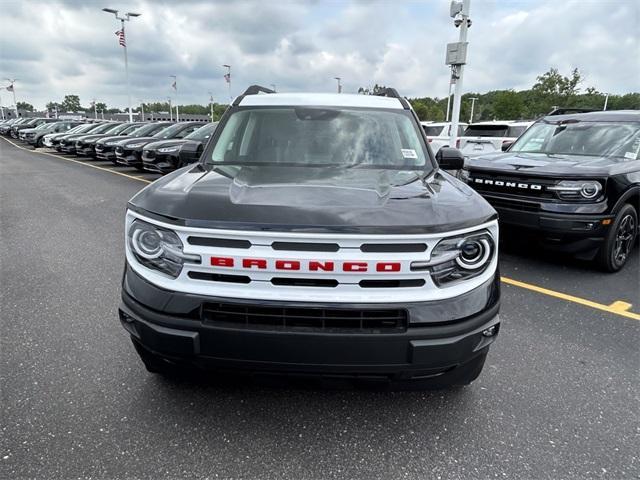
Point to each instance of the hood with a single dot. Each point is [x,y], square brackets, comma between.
[283,199]
[164,144]
[136,140]
[108,138]
[95,136]
[547,164]
[28,130]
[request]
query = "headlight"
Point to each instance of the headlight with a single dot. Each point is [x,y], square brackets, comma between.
[459,258]
[158,248]
[577,189]
[168,149]
[110,144]
[136,145]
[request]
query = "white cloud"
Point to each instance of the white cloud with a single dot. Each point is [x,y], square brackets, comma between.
[61,47]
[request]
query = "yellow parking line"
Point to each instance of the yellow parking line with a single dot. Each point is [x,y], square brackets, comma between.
[617,308]
[78,162]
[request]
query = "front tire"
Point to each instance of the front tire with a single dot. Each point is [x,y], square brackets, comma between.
[618,243]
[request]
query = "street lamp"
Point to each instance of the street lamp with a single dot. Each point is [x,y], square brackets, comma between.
[211,104]
[473,103]
[339,84]
[122,39]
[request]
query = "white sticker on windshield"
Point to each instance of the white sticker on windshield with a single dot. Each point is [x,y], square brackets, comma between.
[409,153]
[630,155]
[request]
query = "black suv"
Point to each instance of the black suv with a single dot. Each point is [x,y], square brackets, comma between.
[573,180]
[317,235]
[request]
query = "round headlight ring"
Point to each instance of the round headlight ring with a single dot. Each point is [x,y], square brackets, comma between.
[474,253]
[590,190]
[147,243]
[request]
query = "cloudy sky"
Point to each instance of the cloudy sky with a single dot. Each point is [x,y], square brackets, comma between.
[58,47]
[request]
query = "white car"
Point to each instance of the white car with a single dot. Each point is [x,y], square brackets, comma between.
[439,133]
[486,137]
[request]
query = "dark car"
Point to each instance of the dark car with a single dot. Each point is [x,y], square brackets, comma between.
[5,126]
[105,147]
[53,140]
[68,143]
[317,236]
[167,155]
[130,153]
[572,182]
[31,123]
[86,145]
[36,136]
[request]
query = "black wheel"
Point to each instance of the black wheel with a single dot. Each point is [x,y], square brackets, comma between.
[619,241]
[39,143]
[154,363]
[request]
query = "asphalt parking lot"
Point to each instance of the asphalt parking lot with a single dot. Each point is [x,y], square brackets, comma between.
[558,397]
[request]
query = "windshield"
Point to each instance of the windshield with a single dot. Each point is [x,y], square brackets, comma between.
[77,128]
[85,128]
[321,137]
[202,133]
[172,131]
[602,139]
[118,129]
[432,131]
[45,126]
[107,127]
[516,131]
[149,129]
[486,131]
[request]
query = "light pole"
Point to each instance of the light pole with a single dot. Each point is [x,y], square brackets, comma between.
[1,108]
[12,89]
[170,109]
[339,84]
[473,103]
[227,77]
[95,109]
[211,104]
[123,42]
[457,58]
[142,110]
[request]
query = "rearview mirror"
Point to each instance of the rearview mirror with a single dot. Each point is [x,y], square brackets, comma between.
[450,158]
[506,145]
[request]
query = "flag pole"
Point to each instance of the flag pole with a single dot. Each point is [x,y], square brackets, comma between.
[126,70]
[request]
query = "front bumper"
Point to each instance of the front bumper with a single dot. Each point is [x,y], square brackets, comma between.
[566,232]
[130,158]
[106,153]
[159,162]
[165,323]
[86,151]
[66,148]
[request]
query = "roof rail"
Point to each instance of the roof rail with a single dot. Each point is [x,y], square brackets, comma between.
[393,93]
[565,111]
[253,90]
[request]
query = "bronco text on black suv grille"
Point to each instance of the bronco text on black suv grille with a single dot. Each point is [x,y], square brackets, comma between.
[318,236]
[572,180]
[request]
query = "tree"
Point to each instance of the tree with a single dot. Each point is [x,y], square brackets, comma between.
[25,106]
[553,83]
[71,103]
[508,105]
[101,107]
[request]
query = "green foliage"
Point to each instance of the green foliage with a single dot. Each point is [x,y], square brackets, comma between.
[71,103]
[25,106]
[551,89]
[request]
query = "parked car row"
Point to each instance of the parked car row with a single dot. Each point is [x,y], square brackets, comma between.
[158,147]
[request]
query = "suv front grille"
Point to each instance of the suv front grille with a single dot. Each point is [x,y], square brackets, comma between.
[521,186]
[326,320]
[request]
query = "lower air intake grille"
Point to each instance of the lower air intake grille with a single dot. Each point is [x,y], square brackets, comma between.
[325,320]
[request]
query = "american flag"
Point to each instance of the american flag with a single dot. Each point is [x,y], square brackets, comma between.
[227,77]
[120,35]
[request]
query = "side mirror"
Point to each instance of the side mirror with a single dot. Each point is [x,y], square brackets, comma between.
[450,158]
[506,145]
